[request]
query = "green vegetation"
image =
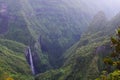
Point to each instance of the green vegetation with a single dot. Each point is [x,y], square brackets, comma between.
[13,45]
[113,61]
[53,33]
[84,60]
[81,60]
[11,59]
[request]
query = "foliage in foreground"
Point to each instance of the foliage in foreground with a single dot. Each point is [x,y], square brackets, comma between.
[113,61]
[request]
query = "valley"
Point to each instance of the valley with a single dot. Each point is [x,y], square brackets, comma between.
[54,40]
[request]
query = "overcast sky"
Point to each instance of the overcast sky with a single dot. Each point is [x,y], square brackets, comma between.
[110,7]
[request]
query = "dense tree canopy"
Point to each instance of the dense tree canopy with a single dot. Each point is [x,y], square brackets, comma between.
[112,62]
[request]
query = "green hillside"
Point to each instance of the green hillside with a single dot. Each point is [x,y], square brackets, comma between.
[11,59]
[84,60]
[53,39]
[48,27]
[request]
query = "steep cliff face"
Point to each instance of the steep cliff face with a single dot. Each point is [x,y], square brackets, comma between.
[55,25]
[48,27]
[84,60]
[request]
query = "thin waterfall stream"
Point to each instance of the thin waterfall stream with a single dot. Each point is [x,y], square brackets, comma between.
[30,60]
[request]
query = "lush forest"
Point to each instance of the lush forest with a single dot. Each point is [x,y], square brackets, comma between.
[59,40]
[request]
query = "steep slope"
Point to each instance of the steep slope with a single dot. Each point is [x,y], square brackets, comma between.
[83,61]
[56,26]
[11,59]
[47,27]
[16,28]
[94,45]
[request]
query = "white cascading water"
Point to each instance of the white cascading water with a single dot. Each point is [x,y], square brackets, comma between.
[31,60]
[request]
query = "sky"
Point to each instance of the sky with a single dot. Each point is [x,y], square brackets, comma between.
[110,7]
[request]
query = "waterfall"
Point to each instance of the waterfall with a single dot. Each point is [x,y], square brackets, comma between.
[31,60]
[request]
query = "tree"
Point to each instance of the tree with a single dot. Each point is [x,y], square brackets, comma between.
[112,62]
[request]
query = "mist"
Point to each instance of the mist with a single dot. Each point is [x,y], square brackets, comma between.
[110,7]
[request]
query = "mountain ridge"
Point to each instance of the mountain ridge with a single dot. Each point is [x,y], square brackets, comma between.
[84,59]
[55,33]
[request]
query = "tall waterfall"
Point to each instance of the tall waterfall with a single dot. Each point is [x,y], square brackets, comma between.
[31,60]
